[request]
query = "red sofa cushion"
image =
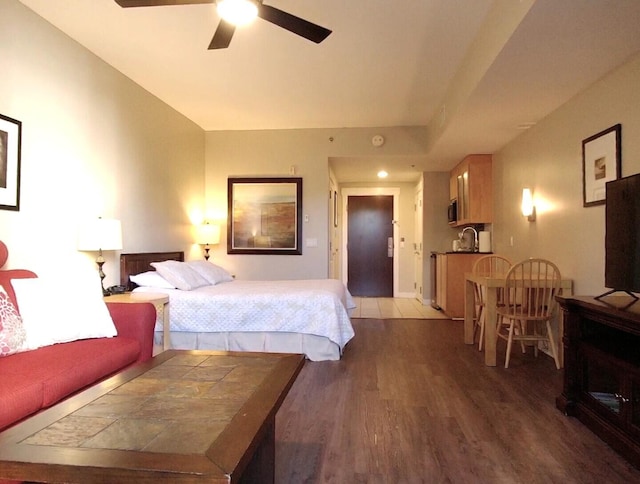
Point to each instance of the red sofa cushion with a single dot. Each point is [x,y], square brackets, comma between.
[38,379]
[85,364]
[20,397]
[136,321]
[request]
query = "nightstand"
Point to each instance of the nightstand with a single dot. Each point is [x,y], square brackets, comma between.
[159,300]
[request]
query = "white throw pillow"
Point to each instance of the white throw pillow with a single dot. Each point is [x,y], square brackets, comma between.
[180,275]
[151,279]
[48,319]
[213,273]
[12,333]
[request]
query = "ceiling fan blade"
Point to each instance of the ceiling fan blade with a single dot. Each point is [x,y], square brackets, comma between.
[157,3]
[294,24]
[222,37]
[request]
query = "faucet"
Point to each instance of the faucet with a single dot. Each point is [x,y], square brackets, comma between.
[474,247]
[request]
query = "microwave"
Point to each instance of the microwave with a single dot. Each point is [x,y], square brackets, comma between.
[452,212]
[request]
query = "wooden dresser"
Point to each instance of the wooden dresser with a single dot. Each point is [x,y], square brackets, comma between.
[602,369]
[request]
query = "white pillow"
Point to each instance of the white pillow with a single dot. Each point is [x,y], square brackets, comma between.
[151,279]
[212,273]
[12,333]
[48,319]
[180,275]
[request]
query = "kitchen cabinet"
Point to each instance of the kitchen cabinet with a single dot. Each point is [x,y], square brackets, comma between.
[450,270]
[602,369]
[471,184]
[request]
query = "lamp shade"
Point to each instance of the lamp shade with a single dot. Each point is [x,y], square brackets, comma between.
[527,202]
[100,234]
[208,234]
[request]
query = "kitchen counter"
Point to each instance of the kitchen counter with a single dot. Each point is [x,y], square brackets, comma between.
[450,270]
[465,252]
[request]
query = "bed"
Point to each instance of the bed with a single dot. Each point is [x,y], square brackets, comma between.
[310,317]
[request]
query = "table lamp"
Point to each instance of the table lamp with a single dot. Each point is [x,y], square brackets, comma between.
[98,235]
[207,234]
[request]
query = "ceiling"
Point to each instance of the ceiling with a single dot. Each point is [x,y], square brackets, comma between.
[458,68]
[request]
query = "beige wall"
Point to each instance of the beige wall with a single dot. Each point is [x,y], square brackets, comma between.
[548,159]
[437,235]
[93,144]
[272,153]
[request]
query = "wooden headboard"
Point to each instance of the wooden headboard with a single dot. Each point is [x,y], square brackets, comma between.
[132,264]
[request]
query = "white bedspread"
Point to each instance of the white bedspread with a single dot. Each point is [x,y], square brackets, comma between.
[317,307]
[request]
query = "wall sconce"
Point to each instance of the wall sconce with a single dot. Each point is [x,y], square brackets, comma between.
[207,234]
[528,207]
[98,235]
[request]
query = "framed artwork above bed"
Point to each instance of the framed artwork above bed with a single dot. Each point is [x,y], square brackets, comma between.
[10,141]
[264,216]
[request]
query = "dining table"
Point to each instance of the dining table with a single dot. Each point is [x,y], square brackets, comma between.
[492,283]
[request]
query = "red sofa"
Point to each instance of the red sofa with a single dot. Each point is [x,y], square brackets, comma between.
[33,380]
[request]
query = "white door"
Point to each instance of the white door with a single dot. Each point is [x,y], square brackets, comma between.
[334,239]
[417,246]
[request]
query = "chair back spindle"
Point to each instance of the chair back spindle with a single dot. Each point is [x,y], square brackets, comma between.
[529,305]
[490,266]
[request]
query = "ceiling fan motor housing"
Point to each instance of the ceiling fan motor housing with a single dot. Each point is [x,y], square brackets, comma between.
[226,29]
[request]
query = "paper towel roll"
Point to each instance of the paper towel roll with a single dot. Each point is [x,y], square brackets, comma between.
[484,241]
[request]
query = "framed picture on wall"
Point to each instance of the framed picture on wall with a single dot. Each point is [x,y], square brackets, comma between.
[601,163]
[264,216]
[10,143]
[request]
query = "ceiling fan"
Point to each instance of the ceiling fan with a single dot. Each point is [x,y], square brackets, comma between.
[225,30]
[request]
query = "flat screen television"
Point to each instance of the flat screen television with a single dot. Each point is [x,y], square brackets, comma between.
[622,237]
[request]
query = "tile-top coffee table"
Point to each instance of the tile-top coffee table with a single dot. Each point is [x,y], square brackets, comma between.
[184,416]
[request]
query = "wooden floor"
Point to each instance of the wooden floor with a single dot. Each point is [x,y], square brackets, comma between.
[390,307]
[410,403]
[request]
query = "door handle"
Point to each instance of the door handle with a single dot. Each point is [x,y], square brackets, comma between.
[390,247]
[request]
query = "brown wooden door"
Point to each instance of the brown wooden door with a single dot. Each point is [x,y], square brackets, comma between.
[370,264]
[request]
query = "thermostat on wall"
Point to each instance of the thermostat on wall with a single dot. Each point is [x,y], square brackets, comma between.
[377,140]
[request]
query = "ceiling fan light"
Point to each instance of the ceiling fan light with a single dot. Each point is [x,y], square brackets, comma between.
[237,12]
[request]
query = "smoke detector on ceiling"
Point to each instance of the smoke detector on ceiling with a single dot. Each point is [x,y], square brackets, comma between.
[377,140]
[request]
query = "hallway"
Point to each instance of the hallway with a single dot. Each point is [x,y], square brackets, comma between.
[393,308]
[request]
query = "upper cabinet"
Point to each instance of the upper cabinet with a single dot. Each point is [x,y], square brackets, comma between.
[471,185]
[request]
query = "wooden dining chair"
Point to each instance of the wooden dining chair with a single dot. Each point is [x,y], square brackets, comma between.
[489,265]
[529,305]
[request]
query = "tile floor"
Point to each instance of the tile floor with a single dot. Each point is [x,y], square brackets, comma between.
[393,308]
